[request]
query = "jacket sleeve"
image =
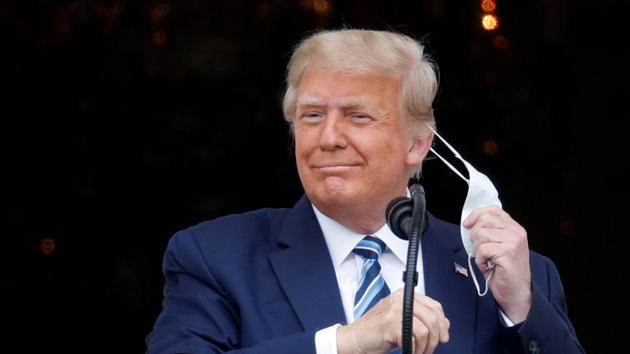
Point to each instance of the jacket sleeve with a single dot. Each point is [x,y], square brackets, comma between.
[197,315]
[547,328]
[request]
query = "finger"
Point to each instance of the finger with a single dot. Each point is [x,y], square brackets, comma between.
[489,251]
[432,321]
[444,336]
[429,302]
[496,218]
[418,299]
[482,236]
[475,214]
[433,337]
[490,221]
[398,295]
[420,336]
[443,322]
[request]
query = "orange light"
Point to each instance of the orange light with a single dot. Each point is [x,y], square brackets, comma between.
[490,147]
[501,42]
[320,6]
[489,22]
[491,77]
[47,246]
[488,5]
[264,9]
[159,11]
[159,38]
[567,228]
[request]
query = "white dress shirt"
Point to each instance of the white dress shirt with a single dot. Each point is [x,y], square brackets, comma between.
[341,241]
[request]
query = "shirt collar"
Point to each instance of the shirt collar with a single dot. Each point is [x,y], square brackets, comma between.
[341,240]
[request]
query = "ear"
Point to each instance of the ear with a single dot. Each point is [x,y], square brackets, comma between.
[419,149]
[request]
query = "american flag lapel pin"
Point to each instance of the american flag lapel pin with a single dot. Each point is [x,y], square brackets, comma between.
[461,270]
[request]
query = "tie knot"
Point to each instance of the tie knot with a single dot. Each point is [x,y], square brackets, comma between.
[370,248]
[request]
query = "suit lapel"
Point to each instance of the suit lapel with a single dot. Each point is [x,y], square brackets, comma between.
[305,270]
[441,249]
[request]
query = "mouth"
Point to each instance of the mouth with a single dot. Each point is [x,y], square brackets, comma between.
[334,166]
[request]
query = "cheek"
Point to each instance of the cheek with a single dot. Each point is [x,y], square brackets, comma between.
[305,143]
[302,156]
[392,156]
[386,148]
[300,152]
[300,135]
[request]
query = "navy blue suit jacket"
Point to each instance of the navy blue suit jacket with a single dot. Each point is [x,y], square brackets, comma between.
[264,282]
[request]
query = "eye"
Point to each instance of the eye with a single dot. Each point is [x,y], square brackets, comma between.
[360,117]
[312,116]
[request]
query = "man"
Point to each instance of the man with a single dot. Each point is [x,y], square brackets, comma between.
[309,279]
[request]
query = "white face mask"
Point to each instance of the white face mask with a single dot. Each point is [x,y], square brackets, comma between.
[481,192]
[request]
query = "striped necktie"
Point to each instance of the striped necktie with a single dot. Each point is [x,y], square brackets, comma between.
[372,286]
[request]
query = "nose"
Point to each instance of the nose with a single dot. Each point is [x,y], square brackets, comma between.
[333,135]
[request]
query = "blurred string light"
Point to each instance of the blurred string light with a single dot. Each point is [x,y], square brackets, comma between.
[490,147]
[47,246]
[264,9]
[567,227]
[159,11]
[321,6]
[489,20]
[158,38]
[158,14]
[500,42]
[488,5]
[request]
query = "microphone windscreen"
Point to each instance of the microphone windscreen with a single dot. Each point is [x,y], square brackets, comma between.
[398,215]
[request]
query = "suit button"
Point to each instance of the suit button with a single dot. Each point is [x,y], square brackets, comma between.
[533,347]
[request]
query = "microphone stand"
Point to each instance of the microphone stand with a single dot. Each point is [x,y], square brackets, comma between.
[410,276]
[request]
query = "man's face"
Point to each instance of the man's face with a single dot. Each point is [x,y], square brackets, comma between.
[352,146]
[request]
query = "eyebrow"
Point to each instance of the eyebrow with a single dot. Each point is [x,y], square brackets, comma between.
[344,102]
[310,100]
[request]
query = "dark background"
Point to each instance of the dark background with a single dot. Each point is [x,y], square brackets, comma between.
[125,121]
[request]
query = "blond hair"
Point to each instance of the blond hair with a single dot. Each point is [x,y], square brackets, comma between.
[355,51]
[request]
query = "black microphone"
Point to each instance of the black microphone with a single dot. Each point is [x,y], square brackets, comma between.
[400,210]
[406,218]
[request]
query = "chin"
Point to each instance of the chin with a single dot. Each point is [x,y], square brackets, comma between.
[336,192]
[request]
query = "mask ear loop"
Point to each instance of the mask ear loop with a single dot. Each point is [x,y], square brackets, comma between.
[443,159]
[445,143]
[491,264]
[474,276]
[450,166]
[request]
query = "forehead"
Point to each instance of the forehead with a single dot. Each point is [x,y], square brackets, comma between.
[319,86]
[315,99]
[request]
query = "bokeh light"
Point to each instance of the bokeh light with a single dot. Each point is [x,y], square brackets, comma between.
[488,5]
[321,6]
[489,22]
[491,77]
[500,42]
[159,38]
[159,11]
[47,246]
[567,228]
[490,147]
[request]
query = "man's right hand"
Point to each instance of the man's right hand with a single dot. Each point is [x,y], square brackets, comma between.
[380,329]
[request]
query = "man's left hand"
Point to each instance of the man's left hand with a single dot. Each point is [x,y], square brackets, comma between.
[496,236]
